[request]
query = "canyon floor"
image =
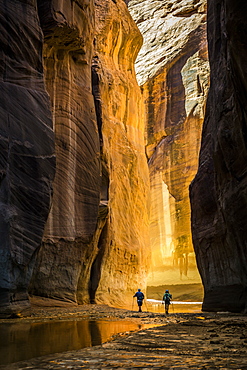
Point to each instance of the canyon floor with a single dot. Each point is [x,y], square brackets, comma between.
[175,341]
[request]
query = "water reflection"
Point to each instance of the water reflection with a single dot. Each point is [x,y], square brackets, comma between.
[156,306]
[22,341]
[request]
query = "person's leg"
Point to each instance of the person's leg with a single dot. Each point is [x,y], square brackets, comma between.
[167,308]
[140,306]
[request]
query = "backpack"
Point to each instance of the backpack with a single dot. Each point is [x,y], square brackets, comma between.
[167,298]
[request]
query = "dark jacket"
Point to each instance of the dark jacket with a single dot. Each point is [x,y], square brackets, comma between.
[167,297]
[139,296]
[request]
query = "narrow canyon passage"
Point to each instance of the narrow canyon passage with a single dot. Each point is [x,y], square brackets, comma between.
[172,69]
[123,133]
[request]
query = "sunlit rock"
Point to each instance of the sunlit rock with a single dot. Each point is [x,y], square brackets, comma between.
[27,164]
[172,69]
[219,191]
[123,259]
[95,246]
[167,27]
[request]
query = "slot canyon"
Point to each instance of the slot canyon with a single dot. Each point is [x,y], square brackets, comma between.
[123,136]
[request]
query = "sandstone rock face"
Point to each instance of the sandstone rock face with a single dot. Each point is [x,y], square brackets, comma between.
[124,248]
[219,191]
[68,245]
[172,69]
[95,246]
[27,164]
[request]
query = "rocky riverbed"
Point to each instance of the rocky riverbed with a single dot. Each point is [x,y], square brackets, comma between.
[175,341]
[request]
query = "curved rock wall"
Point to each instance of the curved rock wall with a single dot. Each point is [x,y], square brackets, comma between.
[172,69]
[68,243]
[125,241]
[27,163]
[95,246]
[218,192]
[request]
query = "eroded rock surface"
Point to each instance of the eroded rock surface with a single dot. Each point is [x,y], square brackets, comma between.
[27,164]
[96,239]
[172,69]
[124,247]
[69,246]
[219,191]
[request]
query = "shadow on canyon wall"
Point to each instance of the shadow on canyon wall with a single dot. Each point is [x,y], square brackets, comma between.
[78,228]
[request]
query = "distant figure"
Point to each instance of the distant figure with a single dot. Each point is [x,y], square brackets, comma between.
[140,297]
[167,299]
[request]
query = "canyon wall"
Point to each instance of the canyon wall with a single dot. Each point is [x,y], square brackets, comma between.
[173,71]
[77,229]
[219,190]
[69,246]
[124,255]
[95,247]
[27,164]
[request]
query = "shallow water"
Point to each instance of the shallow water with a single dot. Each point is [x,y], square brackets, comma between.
[156,306]
[175,307]
[22,341]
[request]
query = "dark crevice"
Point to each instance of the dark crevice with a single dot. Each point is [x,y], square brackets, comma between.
[95,273]
[97,97]
[185,13]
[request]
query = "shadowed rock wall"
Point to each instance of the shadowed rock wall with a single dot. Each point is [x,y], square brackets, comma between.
[27,162]
[95,244]
[219,190]
[172,69]
[68,245]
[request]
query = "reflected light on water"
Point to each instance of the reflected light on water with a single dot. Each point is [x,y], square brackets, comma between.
[156,306]
[22,341]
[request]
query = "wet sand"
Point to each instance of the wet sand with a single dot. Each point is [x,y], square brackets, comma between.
[176,341]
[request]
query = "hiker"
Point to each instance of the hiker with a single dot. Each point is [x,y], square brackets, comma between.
[167,299]
[140,297]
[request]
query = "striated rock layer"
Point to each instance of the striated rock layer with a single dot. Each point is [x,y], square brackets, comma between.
[27,163]
[95,246]
[219,190]
[123,258]
[172,69]
[68,243]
